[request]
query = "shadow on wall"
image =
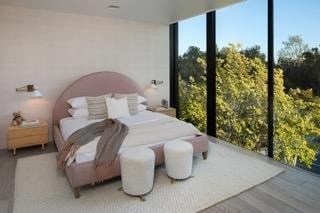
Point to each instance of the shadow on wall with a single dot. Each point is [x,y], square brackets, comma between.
[34,107]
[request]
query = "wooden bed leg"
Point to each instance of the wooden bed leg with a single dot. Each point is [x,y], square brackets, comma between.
[142,198]
[172,180]
[205,155]
[76,191]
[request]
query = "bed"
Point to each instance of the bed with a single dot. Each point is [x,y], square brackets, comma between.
[99,83]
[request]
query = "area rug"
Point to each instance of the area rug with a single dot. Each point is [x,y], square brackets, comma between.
[40,187]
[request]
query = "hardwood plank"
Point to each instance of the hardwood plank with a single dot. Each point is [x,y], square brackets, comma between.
[226,208]
[265,202]
[298,191]
[7,171]
[4,206]
[296,176]
[238,205]
[312,188]
[215,209]
[286,197]
[7,176]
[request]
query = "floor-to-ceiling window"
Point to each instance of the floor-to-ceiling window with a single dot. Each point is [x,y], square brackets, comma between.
[297,83]
[244,91]
[192,71]
[241,73]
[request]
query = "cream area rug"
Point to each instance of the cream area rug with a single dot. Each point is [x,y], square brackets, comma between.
[40,187]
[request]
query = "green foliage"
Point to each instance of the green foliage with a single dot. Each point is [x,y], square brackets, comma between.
[189,65]
[296,122]
[193,95]
[254,52]
[242,106]
[300,64]
[241,100]
[293,50]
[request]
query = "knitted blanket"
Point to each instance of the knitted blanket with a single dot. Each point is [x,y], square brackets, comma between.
[112,134]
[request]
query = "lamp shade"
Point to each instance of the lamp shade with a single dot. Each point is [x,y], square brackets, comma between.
[36,94]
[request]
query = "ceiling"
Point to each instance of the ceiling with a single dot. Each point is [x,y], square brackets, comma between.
[154,11]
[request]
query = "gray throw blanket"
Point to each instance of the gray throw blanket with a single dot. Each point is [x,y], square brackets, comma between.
[112,133]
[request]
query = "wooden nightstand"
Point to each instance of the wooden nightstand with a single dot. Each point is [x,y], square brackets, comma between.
[167,111]
[23,137]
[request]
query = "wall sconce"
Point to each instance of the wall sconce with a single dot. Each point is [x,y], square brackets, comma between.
[155,83]
[30,88]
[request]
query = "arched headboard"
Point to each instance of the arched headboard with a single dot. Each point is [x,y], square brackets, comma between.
[94,84]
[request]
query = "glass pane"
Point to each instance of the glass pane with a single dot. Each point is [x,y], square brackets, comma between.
[192,71]
[297,83]
[242,75]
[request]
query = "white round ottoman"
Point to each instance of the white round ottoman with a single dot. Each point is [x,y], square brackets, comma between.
[137,171]
[178,159]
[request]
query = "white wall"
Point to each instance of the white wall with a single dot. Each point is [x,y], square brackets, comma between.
[52,49]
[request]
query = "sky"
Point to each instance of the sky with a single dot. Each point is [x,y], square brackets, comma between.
[246,23]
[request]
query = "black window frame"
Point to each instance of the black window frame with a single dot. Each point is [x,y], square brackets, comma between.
[211,73]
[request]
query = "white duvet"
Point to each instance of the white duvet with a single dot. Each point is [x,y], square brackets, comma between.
[145,129]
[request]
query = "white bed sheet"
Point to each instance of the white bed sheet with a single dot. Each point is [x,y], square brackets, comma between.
[69,125]
[87,152]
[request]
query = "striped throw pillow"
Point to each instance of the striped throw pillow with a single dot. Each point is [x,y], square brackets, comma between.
[97,107]
[132,101]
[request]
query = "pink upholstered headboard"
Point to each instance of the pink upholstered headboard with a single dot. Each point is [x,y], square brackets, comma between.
[94,84]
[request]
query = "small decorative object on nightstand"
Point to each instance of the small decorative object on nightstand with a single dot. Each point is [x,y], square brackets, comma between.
[164,103]
[167,111]
[27,136]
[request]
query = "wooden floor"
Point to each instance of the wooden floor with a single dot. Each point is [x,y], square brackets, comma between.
[292,191]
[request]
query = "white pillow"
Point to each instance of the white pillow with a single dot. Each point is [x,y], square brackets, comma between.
[117,108]
[141,99]
[78,113]
[78,102]
[81,102]
[142,107]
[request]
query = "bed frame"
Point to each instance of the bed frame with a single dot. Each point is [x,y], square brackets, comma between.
[95,84]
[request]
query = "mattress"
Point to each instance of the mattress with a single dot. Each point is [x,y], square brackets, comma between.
[87,152]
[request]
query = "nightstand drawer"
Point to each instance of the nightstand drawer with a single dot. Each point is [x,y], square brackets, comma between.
[171,112]
[167,111]
[26,141]
[26,132]
[22,137]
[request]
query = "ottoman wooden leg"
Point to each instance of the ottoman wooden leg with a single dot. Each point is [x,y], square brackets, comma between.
[76,191]
[172,180]
[205,155]
[142,198]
